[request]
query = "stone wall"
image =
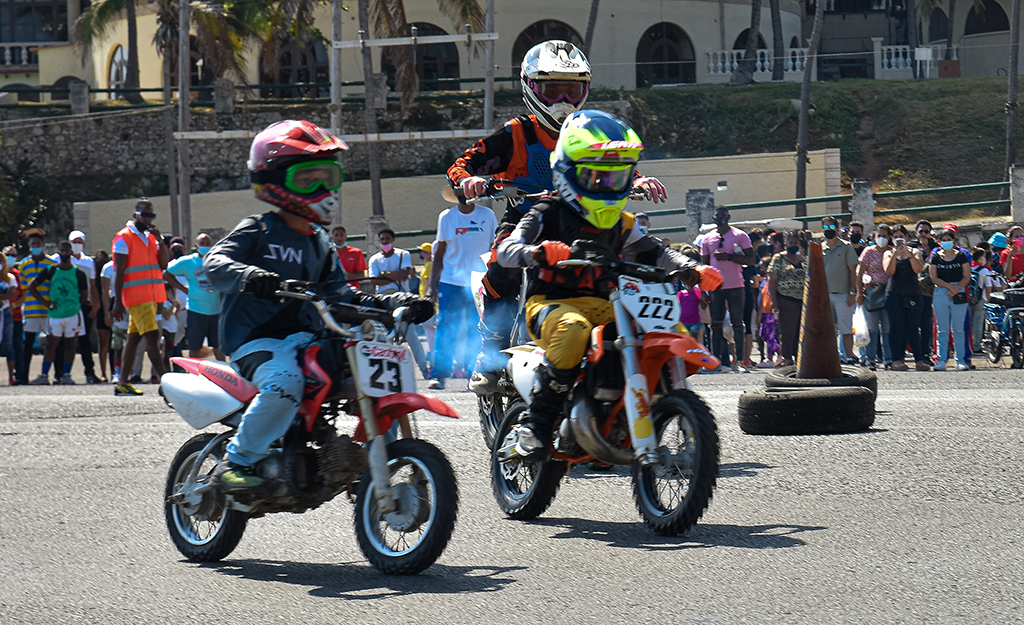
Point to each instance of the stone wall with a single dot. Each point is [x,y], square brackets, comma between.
[113,142]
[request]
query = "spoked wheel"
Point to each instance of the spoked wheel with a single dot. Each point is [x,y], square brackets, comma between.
[411,538]
[492,412]
[992,343]
[523,489]
[1017,344]
[672,494]
[202,526]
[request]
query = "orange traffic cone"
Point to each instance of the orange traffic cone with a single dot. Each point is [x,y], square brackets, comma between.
[818,356]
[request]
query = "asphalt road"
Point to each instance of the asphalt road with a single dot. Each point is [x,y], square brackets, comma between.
[916,521]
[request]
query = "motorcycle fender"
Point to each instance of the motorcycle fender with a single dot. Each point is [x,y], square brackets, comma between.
[199,401]
[522,364]
[397,405]
[658,347]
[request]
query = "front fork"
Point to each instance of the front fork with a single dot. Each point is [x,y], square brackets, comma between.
[637,399]
[378,455]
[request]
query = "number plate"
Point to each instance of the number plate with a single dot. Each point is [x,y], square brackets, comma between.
[384,369]
[653,306]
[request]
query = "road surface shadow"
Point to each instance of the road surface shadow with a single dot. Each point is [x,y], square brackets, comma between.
[737,469]
[358,580]
[741,469]
[636,535]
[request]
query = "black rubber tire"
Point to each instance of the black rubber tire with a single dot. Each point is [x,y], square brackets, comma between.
[1017,345]
[813,410]
[545,477]
[433,471]
[225,533]
[992,342]
[693,419]
[785,377]
[492,411]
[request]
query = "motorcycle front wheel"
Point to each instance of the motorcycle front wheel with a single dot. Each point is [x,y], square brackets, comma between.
[673,493]
[492,412]
[202,527]
[991,343]
[411,538]
[523,489]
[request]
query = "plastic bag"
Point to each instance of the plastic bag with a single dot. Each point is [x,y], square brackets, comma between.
[860,328]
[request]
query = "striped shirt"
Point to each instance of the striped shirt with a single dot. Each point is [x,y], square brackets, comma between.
[29,269]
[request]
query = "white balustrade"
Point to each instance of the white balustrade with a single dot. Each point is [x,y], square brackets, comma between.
[896,57]
[21,56]
[727,61]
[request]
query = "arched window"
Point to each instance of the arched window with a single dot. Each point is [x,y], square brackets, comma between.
[741,41]
[199,74]
[991,20]
[117,72]
[26,93]
[539,32]
[298,64]
[434,61]
[60,88]
[665,56]
[938,25]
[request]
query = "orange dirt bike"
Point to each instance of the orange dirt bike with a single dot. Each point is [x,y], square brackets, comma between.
[631,404]
[405,493]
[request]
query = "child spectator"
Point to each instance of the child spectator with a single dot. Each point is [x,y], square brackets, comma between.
[69,290]
[769,344]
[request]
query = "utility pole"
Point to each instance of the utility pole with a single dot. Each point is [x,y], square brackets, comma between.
[172,169]
[370,110]
[489,60]
[1011,92]
[184,95]
[336,11]
[805,105]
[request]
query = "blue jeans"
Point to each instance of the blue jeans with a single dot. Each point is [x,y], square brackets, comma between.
[273,366]
[949,315]
[878,332]
[457,344]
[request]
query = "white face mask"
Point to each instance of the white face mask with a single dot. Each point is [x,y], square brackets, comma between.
[77,248]
[881,241]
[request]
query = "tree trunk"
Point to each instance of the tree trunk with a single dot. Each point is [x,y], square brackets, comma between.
[948,55]
[744,74]
[591,23]
[779,53]
[132,79]
[805,105]
[912,33]
[370,88]
[1011,93]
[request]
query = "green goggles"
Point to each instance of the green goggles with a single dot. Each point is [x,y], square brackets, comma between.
[595,178]
[308,176]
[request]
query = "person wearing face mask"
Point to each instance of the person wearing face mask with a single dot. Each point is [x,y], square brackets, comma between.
[140,256]
[786,275]
[951,272]
[856,237]
[204,302]
[14,305]
[1012,258]
[727,249]
[903,300]
[841,274]
[34,310]
[90,308]
[67,293]
[871,282]
[391,267]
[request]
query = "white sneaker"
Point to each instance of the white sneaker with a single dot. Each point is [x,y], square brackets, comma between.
[962,367]
[939,366]
[40,380]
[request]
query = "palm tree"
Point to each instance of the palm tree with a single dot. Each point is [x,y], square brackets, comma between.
[779,46]
[744,74]
[805,105]
[93,24]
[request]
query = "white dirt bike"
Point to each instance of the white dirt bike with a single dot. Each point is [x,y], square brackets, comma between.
[405,492]
[631,404]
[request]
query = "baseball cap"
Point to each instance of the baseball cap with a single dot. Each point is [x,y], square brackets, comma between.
[426,247]
[177,241]
[76,234]
[949,225]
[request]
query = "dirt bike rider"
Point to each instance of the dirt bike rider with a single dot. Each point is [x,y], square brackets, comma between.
[293,166]
[555,80]
[592,169]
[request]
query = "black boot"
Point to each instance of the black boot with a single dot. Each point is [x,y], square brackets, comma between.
[547,402]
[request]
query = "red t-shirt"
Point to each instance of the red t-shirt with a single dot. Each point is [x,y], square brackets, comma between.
[1018,261]
[16,314]
[352,261]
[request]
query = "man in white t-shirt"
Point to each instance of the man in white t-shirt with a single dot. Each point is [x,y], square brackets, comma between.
[391,266]
[90,308]
[464,232]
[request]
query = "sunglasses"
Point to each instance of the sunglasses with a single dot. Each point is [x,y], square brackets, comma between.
[308,176]
[828,227]
[147,215]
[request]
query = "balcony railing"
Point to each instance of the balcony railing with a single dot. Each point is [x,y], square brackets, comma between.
[727,61]
[21,57]
[900,59]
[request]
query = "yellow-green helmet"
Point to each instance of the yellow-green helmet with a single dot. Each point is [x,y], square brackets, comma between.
[593,164]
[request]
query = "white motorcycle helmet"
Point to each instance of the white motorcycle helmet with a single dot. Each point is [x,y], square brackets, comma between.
[556,81]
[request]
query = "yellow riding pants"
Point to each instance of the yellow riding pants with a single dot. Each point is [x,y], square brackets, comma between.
[565,326]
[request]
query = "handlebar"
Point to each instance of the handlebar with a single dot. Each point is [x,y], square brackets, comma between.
[500,189]
[647,273]
[350,313]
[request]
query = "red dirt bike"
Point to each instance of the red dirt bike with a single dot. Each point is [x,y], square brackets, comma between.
[630,405]
[405,492]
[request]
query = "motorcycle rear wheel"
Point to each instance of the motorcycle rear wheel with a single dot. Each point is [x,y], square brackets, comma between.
[673,494]
[412,538]
[214,530]
[523,489]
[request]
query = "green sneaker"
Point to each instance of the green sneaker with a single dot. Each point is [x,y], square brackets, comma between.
[235,477]
[126,390]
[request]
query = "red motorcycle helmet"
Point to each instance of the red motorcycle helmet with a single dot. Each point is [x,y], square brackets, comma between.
[277,158]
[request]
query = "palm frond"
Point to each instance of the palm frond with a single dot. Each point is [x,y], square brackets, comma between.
[95,21]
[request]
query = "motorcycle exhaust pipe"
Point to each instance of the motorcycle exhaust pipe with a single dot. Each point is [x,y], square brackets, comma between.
[584,429]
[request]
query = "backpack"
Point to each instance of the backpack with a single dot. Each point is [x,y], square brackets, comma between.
[974,292]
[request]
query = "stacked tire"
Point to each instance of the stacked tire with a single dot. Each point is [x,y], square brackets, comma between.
[792,405]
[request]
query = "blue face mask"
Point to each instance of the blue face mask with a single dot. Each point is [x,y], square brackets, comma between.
[642,229]
[35,251]
[203,251]
[11,261]
[947,245]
